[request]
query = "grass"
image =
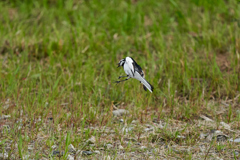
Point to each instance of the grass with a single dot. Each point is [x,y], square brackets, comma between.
[59,63]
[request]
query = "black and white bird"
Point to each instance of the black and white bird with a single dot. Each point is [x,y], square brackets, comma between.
[133,70]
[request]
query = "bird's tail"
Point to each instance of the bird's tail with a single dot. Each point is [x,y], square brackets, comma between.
[147,84]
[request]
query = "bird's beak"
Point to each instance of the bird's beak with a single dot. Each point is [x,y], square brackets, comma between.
[118,65]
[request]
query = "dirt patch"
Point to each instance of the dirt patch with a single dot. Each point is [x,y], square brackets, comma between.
[223,62]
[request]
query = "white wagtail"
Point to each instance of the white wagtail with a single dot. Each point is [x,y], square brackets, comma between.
[133,70]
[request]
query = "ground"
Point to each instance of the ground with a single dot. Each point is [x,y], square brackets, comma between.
[58,99]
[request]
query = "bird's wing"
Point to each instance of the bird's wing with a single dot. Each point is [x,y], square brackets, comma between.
[138,69]
[143,81]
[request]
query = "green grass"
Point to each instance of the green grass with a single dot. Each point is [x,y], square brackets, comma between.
[59,63]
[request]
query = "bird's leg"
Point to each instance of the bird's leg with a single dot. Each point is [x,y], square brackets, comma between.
[122,76]
[122,80]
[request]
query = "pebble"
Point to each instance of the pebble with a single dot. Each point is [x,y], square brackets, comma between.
[148,129]
[134,122]
[120,112]
[26,157]
[30,147]
[71,149]
[87,152]
[235,140]
[202,135]
[120,147]
[236,153]
[97,152]
[181,137]
[109,146]
[54,147]
[57,153]
[92,140]
[225,125]
[70,157]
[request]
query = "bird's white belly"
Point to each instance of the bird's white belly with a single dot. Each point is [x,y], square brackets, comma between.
[127,70]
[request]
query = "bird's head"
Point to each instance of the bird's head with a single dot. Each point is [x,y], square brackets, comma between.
[121,62]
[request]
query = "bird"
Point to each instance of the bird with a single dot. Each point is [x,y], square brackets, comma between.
[133,70]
